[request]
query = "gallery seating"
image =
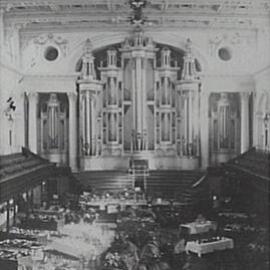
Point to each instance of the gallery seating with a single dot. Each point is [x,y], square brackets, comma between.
[256,160]
[16,163]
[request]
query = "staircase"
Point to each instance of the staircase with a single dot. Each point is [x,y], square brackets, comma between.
[101,181]
[176,185]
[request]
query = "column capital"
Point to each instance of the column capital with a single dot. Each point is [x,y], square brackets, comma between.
[205,94]
[245,95]
[32,95]
[72,94]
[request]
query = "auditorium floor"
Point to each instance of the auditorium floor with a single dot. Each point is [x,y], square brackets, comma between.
[85,240]
[81,244]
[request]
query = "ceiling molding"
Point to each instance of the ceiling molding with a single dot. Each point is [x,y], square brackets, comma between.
[159,13]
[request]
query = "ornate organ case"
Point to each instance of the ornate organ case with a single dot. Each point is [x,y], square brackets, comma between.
[53,127]
[139,99]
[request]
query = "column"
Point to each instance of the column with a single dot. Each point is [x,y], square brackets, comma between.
[190,119]
[31,199]
[16,44]
[134,107]
[169,119]
[255,121]
[72,140]
[178,122]
[110,91]
[27,204]
[244,121]
[14,211]
[185,123]
[196,123]
[139,94]
[93,126]
[88,124]
[1,31]
[144,104]
[82,135]
[20,123]
[32,126]
[204,128]
[8,221]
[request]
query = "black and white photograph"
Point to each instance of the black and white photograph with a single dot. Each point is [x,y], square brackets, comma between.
[134,134]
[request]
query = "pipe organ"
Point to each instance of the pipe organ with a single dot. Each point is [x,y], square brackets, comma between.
[166,76]
[138,61]
[89,115]
[143,102]
[111,110]
[188,97]
[139,99]
[53,125]
[225,123]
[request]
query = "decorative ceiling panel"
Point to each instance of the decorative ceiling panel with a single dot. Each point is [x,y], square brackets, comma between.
[191,13]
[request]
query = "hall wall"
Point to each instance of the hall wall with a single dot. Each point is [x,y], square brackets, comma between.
[261,104]
[11,122]
[34,73]
[242,45]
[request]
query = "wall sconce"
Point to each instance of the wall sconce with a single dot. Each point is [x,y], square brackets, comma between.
[10,109]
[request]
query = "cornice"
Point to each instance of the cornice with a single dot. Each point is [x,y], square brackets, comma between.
[233,76]
[159,13]
[48,83]
[106,25]
[217,6]
[52,76]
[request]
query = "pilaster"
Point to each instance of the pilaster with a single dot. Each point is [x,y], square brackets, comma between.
[1,31]
[16,44]
[204,128]
[32,126]
[72,100]
[255,121]
[244,121]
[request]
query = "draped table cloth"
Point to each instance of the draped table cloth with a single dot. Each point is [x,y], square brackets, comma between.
[203,248]
[197,228]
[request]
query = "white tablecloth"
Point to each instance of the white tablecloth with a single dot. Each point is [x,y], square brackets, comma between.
[196,228]
[203,248]
[103,203]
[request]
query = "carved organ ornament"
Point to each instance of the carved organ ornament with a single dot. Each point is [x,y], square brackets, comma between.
[142,96]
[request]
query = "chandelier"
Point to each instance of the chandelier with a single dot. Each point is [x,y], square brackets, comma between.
[137,6]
